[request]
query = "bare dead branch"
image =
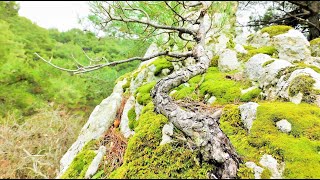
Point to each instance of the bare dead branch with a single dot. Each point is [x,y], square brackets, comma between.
[157,26]
[302,4]
[99,66]
[303,20]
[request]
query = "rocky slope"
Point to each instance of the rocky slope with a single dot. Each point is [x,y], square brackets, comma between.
[265,93]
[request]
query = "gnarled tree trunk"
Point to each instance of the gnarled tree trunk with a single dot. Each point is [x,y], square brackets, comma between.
[203,129]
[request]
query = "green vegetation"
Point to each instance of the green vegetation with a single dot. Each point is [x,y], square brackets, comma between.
[299,149]
[276,30]
[145,158]
[28,83]
[81,162]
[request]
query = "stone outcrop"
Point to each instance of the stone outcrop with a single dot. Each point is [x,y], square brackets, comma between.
[272,164]
[292,46]
[228,61]
[124,123]
[99,121]
[248,114]
[284,126]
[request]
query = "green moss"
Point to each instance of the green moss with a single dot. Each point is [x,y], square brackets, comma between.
[81,162]
[214,61]
[270,50]
[185,92]
[132,118]
[276,30]
[299,149]
[145,158]
[224,89]
[127,85]
[142,93]
[268,62]
[231,44]
[162,63]
[249,47]
[250,95]
[245,172]
[315,42]
[214,83]
[266,174]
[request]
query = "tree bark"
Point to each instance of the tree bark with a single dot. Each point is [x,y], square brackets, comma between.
[203,129]
[314,32]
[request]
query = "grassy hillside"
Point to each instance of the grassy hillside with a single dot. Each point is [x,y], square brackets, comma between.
[39,102]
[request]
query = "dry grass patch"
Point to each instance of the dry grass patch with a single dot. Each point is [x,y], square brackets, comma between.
[32,147]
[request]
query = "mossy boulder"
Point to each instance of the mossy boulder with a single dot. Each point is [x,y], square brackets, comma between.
[276,30]
[142,93]
[162,63]
[299,149]
[81,162]
[146,158]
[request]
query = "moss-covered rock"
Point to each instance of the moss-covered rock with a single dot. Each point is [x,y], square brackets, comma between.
[162,63]
[299,149]
[81,162]
[251,95]
[269,50]
[303,84]
[276,30]
[145,158]
[132,118]
[142,93]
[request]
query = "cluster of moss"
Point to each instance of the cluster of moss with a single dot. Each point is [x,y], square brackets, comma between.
[315,42]
[162,63]
[81,162]
[270,50]
[267,63]
[132,118]
[299,149]
[216,84]
[146,158]
[276,30]
[142,93]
